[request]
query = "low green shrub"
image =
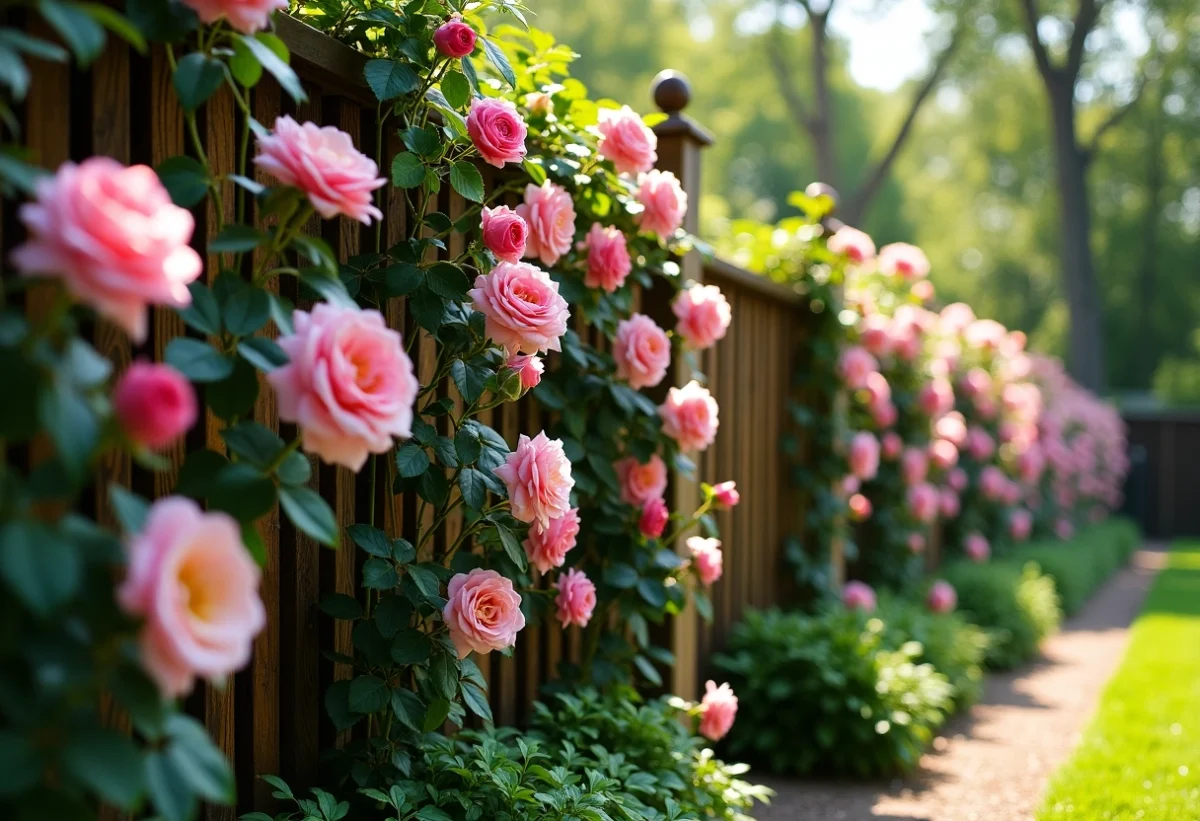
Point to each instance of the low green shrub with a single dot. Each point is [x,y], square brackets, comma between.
[955,647]
[1081,565]
[827,694]
[1015,603]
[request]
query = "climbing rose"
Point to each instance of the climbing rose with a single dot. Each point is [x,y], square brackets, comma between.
[654,518]
[858,596]
[948,503]
[323,163]
[856,245]
[663,201]
[726,496]
[703,313]
[885,414]
[497,131]
[892,445]
[576,598]
[942,598]
[641,483]
[689,416]
[706,558]
[957,479]
[626,141]
[855,365]
[908,261]
[1020,524]
[952,428]
[642,351]
[524,310]
[154,404]
[860,508]
[914,466]
[483,612]
[923,290]
[529,366]
[548,546]
[718,710]
[936,397]
[454,39]
[916,542]
[980,443]
[864,455]
[608,260]
[348,383]
[943,454]
[550,214]
[504,233]
[115,239]
[246,16]
[538,476]
[192,581]
[976,547]
[923,501]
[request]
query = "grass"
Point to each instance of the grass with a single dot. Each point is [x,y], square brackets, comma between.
[1140,758]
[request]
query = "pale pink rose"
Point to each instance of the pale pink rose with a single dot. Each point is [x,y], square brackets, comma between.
[703,313]
[538,477]
[916,543]
[860,508]
[855,366]
[908,261]
[726,496]
[980,444]
[529,366]
[985,334]
[884,414]
[942,598]
[576,598]
[879,392]
[192,581]
[992,483]
[956,317]
[524,310]
[706,558]
[876,335]
[914,465]
[923,502]
[642,351]
[953,428]
[718,710]
[497,131]
[857,595]
[856,245]
[976,382]
[976,547]
[246,16]
[454,38]
[664,203]
[641,483]
[892,445]
[986,407]
[550,214]
[115,239]
[923,290]
[539,103]
[1063,528]
[348,383]
[1020,524]
[608,261]
[654,518]
[943,454]
[1031,463]
[154,404]
[948,503]
[957,479]
[936,397]
[850,484]
[505,233]
[626,141]
[323,163]
[689,416]
[547,546]
[483,612]
[863,455]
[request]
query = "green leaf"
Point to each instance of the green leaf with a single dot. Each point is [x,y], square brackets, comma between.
[389,79]
[411,647]
[379,574]
[341,606]
[115,22]
[281,312]
[169,792]
[371,539]
[197,78]
[434,487]
[243,492]
[466,443]
[295,470]
[186,182]
[409,709]
[423,141]
[255,443]
[467,181]
[470,378]
[411,460]
[131,510]
[198,361]
[368,694]
[198,761]
[435,715]
[264,354]
[477,701]
[648,670]
[500,61]
[108,762]
[20,766]
[620,576]
[318,252]
[448,280]
[512,547]
[431,813]
[407,170]
[275,64]
[703,605]
[244,66]
[443,671]
[652,592]
[473,487]
[456,89]
[428,309]
[72,424]
[310,514]
[471,75]
[425,580]
[41,568]
[234,395]
[85,367]
[141,698]
[402,279]
[204,314]
[237,239]
[82,34]
[391,614]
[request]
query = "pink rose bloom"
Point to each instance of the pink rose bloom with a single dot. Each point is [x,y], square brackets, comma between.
[908,261]
[547,546]
[980,444]
[497,131]
[550,214]
[923,502]
[154,404]
[483,612]
[976,547]
[986,406]
[956,317]
[703,313]
[192,581]
[323,163]
[850,484]
[914,465]
[884,414]
[957,479]
[942,598]
[876,335]
[641,483]
[892,445]
[608,260]
[856,245]
[529,366]
[538,476]
[524,310]
[992,483]
[864,455]
[642,351]
[923,290]
[1063,528]
[663,201]
[1020,524]
[977,382]
[943,454]
[855,365]
[948,504]
[706,558]
[576,598]
[878,390]
[454,39]
[1031,463]
[984,334]
[726,496]
[858,596]
[936,397]
[246,16]
[907,347]
[539,103]
[916,542]
[504,233]
[689,416]
[654,518]
[626,141]
[115,239]
[348,383]
[860,508]
[952,428]
[718,709]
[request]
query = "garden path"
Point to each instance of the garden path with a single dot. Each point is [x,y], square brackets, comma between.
[992,763]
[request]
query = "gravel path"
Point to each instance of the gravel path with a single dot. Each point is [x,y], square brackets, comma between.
[993,763]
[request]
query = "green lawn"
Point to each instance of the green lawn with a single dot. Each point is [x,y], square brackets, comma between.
[1140,758]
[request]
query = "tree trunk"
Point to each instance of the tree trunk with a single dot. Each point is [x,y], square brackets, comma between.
[821,126]
[1147,351]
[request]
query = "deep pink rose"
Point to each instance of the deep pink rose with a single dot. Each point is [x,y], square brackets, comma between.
[550,214]
[547,547]
[323,163]
[483,612]
[908,261]
[884,414]
[980,444]
[608,260]
[992,483]
[538,476]
[115,239]
[641,483]
[718,710]
[663,201]
[860,508]
[1020,524]
[976,547]
[524,310]
[654,518]
[726,496]
[576,598]
[706,558]
[155,404]
[943,454]
[626,141]
[497,131]
[529,366]
[703,313]
[892,445]
[864,455]
[914,465]
[875,334]
[942,598]
[246,16]
[454,39]
[923,500]
[957,479]
[689,416]
[505,233]
[348,383]
[855,365]
[642,351]
[948,503]
[856,245]
[916,542]
[192,581]
[858,596]
[936,397]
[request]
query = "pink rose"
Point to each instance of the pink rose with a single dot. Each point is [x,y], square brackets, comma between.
[992,483]
[689,416]
[908,261]
[246,16]
[914,466]
[323,163]
[547,546]
[860,508]
[884,414]
[957,479]
[663,201]
[504,233]
[855,365]
[726,496]
[539,103]
[454,39]
[497,131]
[923,502]
[608,260]
[942,598]
[538,476]
[864,455]
[856,245]
[980,444]
[850,484]
[936,397]
[654,518]
[923,290]
[703,313]
[892,445]
[154,404]
[916,543]
[115,239]
[879,392]
[524,310]
[641,483]
[529,366]
[642,351]
[706,558]
[876,335]
[948,503]
[952,428]
[718,710]
[348,383]
[192,581]
[858,596]
[1063,528]
[483,612]
[576,598]
[943,454]
[976,547]
[626,141]
[1020,524]
[977,382]
[550,214]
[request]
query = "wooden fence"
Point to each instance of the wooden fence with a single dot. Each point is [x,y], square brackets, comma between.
[1162,490]
[270,718]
